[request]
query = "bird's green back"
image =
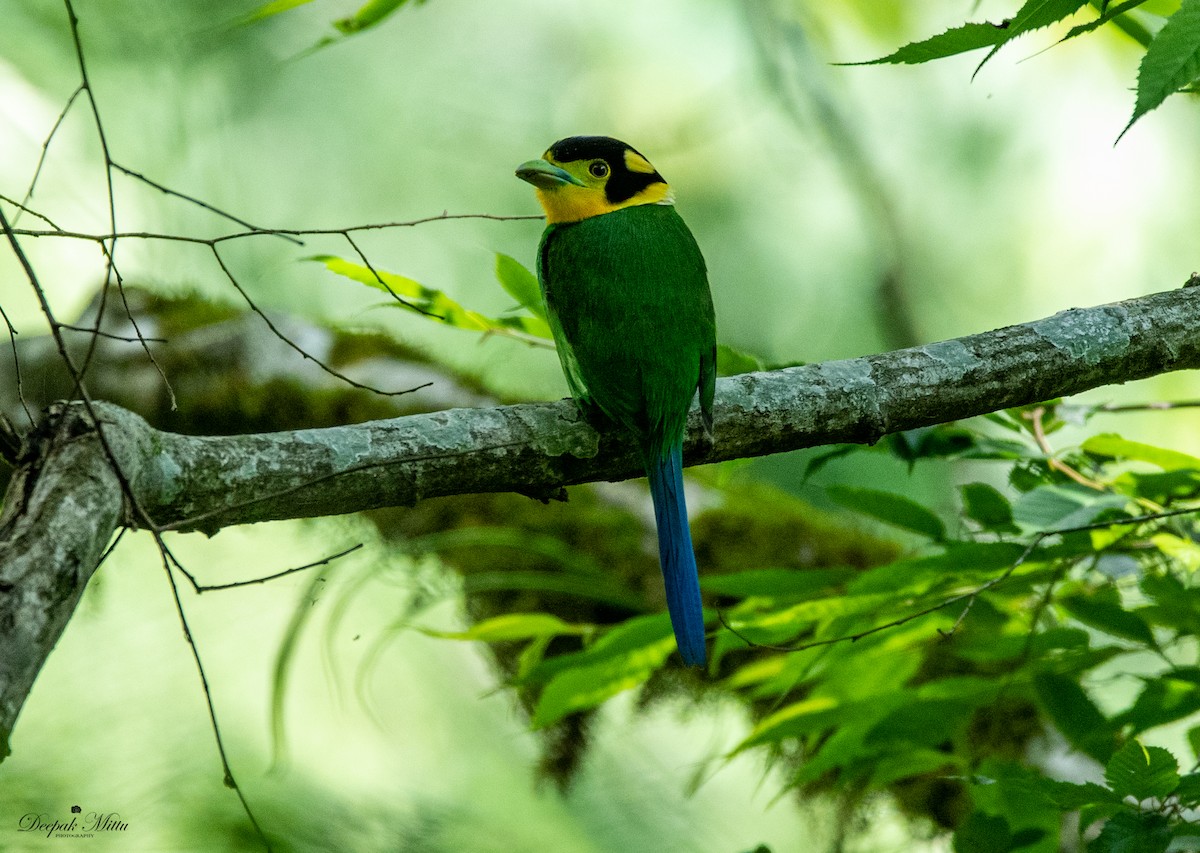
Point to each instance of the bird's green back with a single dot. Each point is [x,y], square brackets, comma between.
[609,281]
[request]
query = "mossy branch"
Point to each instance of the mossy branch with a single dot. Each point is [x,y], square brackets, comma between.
[65,503]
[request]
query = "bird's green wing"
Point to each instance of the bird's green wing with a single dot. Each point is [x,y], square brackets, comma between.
[631,297]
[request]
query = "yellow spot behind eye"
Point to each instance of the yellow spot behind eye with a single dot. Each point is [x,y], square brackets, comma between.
[635,162]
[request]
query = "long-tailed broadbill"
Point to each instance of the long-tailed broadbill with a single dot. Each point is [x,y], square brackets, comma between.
[628,303]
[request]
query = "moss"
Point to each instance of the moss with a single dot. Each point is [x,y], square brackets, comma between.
[758,526]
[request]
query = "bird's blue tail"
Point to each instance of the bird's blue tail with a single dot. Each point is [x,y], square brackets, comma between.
[675,554]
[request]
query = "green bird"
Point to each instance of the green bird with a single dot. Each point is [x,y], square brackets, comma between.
[628,302]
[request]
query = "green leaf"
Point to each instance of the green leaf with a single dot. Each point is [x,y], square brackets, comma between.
[1114,10]
[1064,507]
[910,762]
[1193,737]
[521,284]
[732,362]
[986,505]
[1034,15]
[823,458]
[273,8]
[512,626]
[890,508]
[1163,700]
[1142,772]
[1074,714]
[1103,611]
[983,833]
[807,716]
[434,304]
[954,41]
[369,14]
[777,583]
[1133,832]
[621,660]
[1188,790]
[1172,61]
[919,575]
[1069,796]
[1111,445]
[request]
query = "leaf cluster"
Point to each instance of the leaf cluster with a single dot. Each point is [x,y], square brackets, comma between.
[1170,36]
[933,675]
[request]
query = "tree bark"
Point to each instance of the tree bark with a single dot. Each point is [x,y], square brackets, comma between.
[65,502]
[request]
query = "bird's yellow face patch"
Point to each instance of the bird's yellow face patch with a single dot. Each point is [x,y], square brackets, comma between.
[570,190]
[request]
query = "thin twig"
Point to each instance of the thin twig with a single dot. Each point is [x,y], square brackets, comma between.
[139,176]
[1035,416]
[25,208]
[362,256]
[284,573]
[965,596]
[1153,406]
[42,158]
[230,781]
[127,338]
[275,331]
[12,341]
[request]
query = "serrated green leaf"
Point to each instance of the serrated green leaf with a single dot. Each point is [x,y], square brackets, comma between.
[1114,10]
[521,284]
[891,508]
[1133,832]
[1142,772]
[1074,714]
[1034,15]
[1188,790]
[952,42]
[986,505]
[434,304]
[1112,445]
[1172,61]
[512,626]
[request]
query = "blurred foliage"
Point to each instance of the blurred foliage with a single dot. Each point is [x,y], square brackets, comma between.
[930,674]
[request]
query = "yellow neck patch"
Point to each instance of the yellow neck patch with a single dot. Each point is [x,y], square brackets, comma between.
[570,203]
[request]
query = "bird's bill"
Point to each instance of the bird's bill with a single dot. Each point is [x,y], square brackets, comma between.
[545,175]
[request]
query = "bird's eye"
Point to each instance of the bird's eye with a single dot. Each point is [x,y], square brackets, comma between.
[598,169]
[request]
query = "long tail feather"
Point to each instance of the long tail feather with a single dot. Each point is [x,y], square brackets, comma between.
[675,553]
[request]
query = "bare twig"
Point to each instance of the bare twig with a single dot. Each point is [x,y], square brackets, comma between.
[295,346]
[362,256]
[42,158]
[322,562]
[968,596]
[192,199]
[127,338]
[12,341]
[1034,416]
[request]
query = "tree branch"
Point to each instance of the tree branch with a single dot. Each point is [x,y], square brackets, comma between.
[64,504]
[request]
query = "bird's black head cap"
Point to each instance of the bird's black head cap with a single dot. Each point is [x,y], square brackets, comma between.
[629,172]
